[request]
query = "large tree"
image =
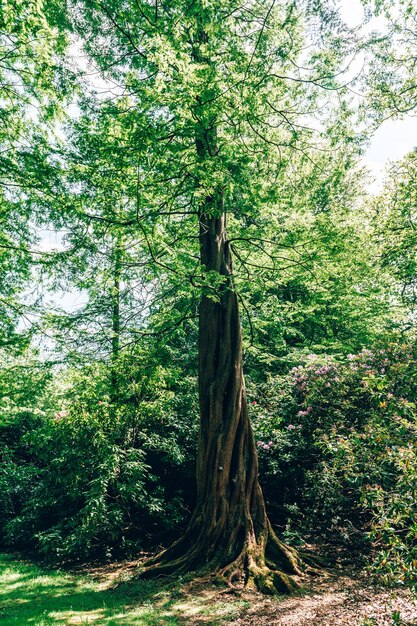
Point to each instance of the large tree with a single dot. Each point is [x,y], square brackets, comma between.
[220,103]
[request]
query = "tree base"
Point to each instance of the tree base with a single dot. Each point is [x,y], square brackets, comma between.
[266,565]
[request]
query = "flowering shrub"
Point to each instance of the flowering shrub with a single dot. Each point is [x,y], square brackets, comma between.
[341,455]
[93,476]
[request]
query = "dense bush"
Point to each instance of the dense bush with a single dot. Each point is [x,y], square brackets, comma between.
[337,441]
[98,474]
[18,469]
[99,477]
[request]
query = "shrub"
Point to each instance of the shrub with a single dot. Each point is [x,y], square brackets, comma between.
[18,469]
[99,474]
[99,477]
[337,440]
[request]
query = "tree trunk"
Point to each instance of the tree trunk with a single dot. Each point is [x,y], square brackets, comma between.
[229,533]
[115,319]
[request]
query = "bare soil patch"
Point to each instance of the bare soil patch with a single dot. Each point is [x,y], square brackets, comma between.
[338,599]
[342,596]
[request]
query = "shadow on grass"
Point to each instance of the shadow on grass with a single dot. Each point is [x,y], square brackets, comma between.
[36,596]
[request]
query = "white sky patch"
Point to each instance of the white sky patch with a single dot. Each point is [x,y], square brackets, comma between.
[352,12]
[103,87]
[391,142]
[395,137]
[51,240]
[70,301]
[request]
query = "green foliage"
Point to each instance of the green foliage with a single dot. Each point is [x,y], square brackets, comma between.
[18,474]
[315,281]
[395,222]
[33,82]
[210,106]
[96,477]
[393,511]
[338,440]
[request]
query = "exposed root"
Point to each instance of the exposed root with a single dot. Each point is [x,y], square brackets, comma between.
[285,557]
[268,566]
[315,561]
[271,582]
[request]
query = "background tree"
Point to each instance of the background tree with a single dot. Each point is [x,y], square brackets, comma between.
[392,82]
[395,222]
[309,274]
[32,83]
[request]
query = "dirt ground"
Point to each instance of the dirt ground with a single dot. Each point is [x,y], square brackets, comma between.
[341,596]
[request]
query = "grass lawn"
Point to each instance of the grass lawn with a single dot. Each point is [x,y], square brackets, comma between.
[112,595]
[35,596]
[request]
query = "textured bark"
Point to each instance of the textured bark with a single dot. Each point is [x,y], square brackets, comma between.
[115,304]
[229,533]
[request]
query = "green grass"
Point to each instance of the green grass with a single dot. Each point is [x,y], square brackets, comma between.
[37,596]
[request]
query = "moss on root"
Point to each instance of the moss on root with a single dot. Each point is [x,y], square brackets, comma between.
[268,566]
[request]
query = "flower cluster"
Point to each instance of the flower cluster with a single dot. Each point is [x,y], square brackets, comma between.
[299,377]
[324,370]
[59,415]
[305,413]
[264,446]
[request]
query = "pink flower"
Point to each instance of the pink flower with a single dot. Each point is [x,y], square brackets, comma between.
[270,443]
[99,402]
[254,402]
[266,447]
[290,426]
[259,443]
[60,414]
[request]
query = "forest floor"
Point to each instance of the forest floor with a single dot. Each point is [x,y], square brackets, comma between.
[110,595]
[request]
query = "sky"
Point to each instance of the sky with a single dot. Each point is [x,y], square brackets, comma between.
[392,141]
[394,138]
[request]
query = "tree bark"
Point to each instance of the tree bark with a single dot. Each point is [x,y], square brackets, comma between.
[229,533]
[115,319]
